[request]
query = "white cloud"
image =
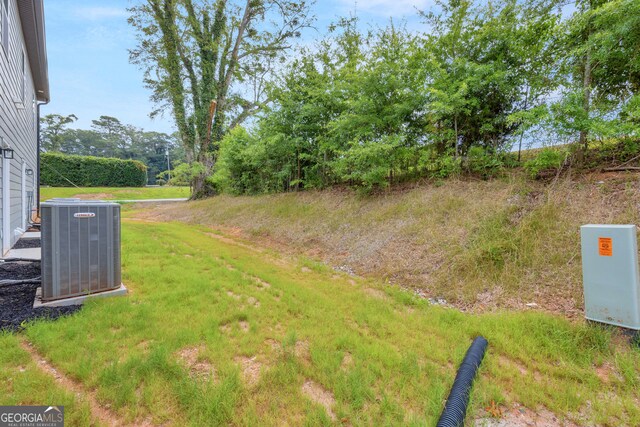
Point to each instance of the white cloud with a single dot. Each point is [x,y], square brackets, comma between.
[97,13]
[387,8]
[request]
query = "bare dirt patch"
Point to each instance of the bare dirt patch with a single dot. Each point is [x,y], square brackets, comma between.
[234,242]
[261,283]
[274,345]
[376,293]
[524,371]
[301,350]
[250,369]
[347,361]
[320,395]
[233,295]
[606,372]
[144,345]
[96,196]
[519,416]
[199,367]
[253,302]
[506,362]
[227,265]
[244,325]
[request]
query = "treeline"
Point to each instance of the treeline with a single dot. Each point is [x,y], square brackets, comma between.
[483,80]
[109,137]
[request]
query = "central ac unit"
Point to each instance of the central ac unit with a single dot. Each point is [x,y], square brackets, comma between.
[80,247]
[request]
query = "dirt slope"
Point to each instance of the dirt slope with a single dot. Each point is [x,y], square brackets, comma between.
[480,245]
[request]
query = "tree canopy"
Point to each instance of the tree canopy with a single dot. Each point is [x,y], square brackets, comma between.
[368,108]
[212,56]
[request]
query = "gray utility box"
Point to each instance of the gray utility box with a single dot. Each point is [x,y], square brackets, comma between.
[80,247]
[610,274]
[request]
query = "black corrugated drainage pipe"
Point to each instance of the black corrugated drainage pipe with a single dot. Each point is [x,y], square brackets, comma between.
[455,409]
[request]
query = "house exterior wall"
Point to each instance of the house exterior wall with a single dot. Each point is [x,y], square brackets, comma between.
[18,123]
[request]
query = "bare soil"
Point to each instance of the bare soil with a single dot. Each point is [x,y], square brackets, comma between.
[95,196]
[320,395]
[199,367]
[250,369]
[519,416]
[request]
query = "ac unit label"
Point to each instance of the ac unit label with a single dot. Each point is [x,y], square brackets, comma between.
[84,215]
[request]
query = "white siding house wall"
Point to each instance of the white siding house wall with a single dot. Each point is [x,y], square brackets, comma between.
[18,123]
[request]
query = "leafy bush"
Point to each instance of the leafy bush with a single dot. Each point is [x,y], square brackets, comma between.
[547,159]
[480,162]
[60,170]
[182,175]
[439,166]
[252,164]
[367,165]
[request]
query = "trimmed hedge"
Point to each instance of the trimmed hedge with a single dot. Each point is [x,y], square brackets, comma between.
[88,171]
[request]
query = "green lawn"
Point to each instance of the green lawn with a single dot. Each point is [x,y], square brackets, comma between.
[115,193]
[22,382]
[215,332]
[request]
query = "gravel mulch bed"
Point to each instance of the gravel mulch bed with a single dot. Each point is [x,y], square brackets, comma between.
[27,244]
[16,301]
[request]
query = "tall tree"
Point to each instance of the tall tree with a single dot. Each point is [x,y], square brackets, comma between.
[53,126]
[489,64]
[601,68]
[114,134]
[201,56]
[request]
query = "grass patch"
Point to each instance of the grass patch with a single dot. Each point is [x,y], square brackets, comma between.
[326,348]
[23,383]
[115,193]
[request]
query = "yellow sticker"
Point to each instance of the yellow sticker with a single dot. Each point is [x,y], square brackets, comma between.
[605,246]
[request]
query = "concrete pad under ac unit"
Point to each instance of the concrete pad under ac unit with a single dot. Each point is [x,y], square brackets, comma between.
[77,300]
[27,254]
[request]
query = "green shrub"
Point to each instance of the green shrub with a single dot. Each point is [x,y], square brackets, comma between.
[60,170]
[546,160]
[437,165]
[182,175]
[480,162]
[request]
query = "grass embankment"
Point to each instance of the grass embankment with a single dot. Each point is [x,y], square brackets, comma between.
[215,332]
[486,244]
[115,193]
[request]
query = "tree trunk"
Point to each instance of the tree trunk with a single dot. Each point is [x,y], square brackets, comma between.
[586,101]
[298,178]
[455,142]
[526,102]
[200,187]
[586,97]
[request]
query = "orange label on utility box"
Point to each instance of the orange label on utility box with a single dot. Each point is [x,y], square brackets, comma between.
[605,246]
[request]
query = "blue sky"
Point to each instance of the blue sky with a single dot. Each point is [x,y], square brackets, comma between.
[89,70]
